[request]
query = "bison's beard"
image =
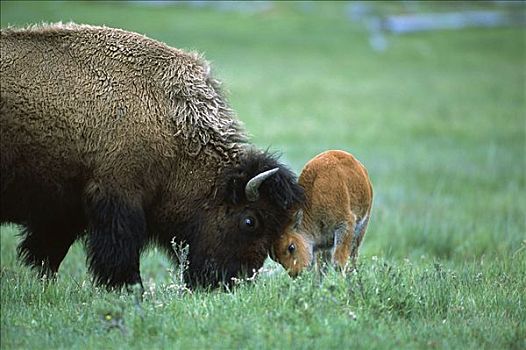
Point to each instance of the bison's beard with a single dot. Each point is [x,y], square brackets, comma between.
[210,274]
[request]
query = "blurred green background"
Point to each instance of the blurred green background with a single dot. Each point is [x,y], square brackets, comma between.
[437,117]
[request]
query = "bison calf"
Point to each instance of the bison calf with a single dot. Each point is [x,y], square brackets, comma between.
[122,141]
[335,215]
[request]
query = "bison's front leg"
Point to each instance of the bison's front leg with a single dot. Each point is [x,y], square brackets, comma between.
[116,237]
[45,244]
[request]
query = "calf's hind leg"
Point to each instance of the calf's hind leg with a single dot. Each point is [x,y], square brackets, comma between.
[343,238]
[359,232]
[116,237]
[350,241]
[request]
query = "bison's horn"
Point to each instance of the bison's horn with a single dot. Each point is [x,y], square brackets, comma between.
[252,187]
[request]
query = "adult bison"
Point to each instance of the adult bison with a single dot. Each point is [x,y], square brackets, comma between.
[118,138]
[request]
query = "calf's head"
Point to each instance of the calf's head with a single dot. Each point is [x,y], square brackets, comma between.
[293,250]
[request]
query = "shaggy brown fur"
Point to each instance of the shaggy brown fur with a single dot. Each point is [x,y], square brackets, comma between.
[114,133]
[338,204]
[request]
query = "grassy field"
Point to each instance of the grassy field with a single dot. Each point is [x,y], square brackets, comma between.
[439,120]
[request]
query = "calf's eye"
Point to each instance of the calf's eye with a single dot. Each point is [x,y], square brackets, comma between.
[292,248]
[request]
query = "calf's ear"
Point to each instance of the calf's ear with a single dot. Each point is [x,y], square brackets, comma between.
[298,218]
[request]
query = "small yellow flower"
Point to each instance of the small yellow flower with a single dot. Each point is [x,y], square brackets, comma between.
[108,317]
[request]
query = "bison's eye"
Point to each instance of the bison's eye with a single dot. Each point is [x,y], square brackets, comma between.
[292,248]
[249,223]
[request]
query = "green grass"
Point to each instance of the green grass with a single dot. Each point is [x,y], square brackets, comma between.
[439,121]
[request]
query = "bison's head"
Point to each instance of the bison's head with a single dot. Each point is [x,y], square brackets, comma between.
[253,205]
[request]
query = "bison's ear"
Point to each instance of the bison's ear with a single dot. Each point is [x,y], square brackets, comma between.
[298,218]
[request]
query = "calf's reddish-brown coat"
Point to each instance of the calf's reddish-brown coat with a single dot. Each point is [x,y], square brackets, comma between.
[335,215]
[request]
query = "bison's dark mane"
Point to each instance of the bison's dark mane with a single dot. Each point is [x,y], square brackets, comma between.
[279,189]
